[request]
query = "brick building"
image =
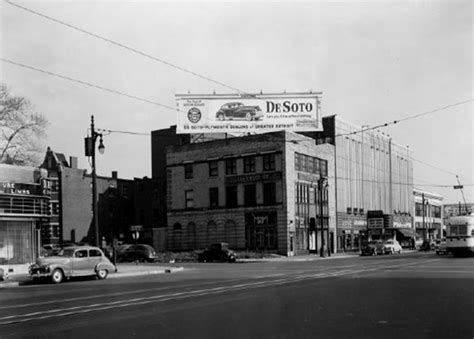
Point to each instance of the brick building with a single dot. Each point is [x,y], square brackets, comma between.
[71,203]
[257,192]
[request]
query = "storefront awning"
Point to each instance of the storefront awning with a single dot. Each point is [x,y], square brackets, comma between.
[407,232]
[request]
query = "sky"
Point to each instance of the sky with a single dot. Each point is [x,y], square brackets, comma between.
[374,62]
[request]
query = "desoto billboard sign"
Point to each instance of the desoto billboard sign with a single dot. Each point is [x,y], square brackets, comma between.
[248,113]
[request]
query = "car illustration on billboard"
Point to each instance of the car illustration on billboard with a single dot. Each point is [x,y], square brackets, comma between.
[238,111]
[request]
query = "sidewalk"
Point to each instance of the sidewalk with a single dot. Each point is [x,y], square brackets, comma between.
[307,257]
[123,270]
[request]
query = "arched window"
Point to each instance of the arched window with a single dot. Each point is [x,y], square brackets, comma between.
[191,236]
[231,233]
[211,232]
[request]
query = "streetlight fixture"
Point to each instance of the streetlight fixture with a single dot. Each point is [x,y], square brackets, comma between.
[90,152]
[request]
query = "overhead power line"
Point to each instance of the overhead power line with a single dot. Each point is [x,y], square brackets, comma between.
[131,49]
[88,84]
[406,118]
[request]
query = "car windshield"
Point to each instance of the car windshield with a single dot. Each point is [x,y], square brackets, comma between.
[68,252]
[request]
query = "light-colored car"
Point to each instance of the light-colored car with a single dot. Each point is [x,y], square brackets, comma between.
[73,262]
[391,247]
[441,247]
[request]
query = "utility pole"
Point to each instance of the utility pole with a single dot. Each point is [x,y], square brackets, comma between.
[322,182]
[90,152]
[424,226]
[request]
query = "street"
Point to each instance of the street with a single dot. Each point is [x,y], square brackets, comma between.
[415,295]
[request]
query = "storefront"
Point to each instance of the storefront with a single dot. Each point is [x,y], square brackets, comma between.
[261,230]
[24,208]
[351,232]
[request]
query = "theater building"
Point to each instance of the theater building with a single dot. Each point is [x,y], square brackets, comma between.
[373,173]
[257,192]
[24,207]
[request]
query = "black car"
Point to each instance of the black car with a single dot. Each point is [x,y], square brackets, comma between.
[238,111]
[371,247]
[218,252]
[137,252]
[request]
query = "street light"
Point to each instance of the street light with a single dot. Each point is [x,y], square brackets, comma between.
[322,185]
[90,152]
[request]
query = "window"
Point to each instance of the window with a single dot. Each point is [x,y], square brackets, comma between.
[269,193]
[317,165]
[213,197]
[81,254]
[249,164]
[94,253]
[188,171]
[177,226]
[250,195]
[304,163]
[213,168]
[189,197]
[297,162]
[230,166]
[269,162]
[324,168]
[231,196]
[125,191]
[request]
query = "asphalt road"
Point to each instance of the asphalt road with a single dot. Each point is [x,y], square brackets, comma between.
[404,296]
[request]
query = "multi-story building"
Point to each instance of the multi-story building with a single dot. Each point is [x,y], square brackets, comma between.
[428,215]
[25,195]
[258,192]
[373,173]
[71,203]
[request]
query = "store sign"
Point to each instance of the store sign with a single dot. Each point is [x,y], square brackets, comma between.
[252,178]
[248,113]
[17,188]
[399,224]
[375,223]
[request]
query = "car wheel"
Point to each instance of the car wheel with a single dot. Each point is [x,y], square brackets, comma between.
[102,274]
[248,117]
[57,276]
[220,117]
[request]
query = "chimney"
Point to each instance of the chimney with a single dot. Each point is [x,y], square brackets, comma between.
[73,162]
[114,174]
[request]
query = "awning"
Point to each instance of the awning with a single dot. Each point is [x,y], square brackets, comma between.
[407,232]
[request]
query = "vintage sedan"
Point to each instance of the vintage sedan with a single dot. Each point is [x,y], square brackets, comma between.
[371,247]
[238,111]
[391,247]
[73,262]
[218,252]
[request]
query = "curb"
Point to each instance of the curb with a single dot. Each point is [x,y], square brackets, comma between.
[141,273]
[8,284]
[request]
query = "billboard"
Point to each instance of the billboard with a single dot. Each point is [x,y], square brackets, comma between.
[248,113]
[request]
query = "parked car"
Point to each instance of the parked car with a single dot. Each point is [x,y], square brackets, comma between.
[370,248]
[391,246]
[427,245]
[441,247]
[218,252]
[50,249]
[238,111]
[137,252]
[72,262]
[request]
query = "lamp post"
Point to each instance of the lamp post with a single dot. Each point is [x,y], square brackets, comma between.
[90,152]
[322,184]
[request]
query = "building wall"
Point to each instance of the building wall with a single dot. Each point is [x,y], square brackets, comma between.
[202,225]
[24,205]
[431,225]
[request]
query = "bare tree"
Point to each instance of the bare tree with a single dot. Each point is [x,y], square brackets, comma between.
[21,130]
